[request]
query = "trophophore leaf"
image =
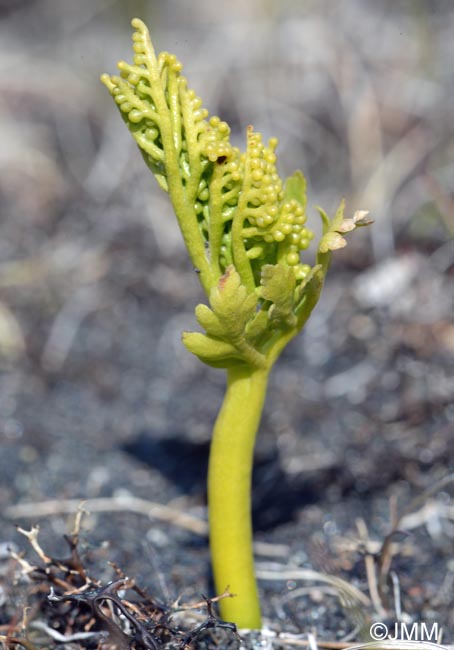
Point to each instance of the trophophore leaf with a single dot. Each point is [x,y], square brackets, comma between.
[278,286]
[225,324]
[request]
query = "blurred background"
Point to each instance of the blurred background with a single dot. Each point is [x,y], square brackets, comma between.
[97,395]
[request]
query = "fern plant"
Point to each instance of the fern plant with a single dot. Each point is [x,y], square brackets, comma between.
[245,231]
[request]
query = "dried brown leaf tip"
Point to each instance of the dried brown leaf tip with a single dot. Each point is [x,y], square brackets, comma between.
[334,229]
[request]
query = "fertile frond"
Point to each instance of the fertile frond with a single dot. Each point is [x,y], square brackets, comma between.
[242,225]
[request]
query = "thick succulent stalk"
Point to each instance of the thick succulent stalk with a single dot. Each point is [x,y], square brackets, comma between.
[229,494]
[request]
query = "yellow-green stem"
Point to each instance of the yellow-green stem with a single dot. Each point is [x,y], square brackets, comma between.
[229,494]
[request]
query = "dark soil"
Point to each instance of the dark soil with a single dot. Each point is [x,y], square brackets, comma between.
[358,416]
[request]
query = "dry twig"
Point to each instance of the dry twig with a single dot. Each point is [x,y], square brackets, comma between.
[150,509]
